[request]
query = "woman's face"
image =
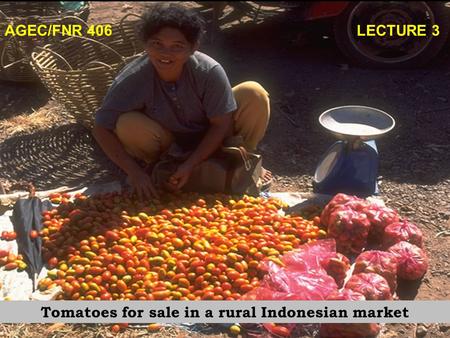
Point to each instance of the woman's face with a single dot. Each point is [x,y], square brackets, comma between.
[168,51]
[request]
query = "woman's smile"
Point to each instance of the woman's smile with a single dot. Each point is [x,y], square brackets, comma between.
[168,51]
[164,63]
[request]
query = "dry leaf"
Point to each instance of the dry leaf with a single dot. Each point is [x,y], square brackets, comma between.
[54,327]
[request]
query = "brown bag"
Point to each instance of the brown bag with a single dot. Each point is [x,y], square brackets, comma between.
[231,170]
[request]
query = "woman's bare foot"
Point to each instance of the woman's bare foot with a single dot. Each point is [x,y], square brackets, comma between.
[266,178]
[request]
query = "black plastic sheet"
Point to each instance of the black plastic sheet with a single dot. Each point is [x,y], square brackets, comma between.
[27,216]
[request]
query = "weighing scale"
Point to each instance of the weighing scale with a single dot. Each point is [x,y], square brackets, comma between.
[350,165]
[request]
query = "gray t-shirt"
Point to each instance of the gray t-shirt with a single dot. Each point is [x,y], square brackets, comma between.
[203,91]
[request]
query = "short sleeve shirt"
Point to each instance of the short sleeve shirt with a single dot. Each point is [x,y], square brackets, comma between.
[203,91]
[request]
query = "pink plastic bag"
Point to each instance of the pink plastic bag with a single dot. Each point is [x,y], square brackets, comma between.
[302,278]
[286,283]
[310,256]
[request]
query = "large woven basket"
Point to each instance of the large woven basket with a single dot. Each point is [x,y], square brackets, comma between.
[78,71]
[15,51]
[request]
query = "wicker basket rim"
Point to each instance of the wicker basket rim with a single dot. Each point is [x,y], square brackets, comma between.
[79,71]
[48,48]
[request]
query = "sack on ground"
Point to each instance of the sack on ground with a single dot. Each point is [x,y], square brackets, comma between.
[231,170]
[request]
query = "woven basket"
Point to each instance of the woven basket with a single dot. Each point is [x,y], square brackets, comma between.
[66,155]
[78,71]
[15,51]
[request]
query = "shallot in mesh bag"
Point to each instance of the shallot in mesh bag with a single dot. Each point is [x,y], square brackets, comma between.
[380,262]
[371,285]
[350,229]
[337,267]
[412,261]
[402,231]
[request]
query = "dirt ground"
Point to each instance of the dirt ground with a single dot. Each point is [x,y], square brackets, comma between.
[304,77]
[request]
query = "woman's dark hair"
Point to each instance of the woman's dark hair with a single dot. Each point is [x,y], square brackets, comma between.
[174,16]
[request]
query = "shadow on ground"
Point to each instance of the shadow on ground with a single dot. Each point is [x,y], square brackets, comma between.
[21,98]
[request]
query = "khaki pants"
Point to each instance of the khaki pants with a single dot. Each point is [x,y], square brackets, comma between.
[146,139]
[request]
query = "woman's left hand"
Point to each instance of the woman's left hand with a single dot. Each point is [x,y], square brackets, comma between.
[181,176]
[220,126]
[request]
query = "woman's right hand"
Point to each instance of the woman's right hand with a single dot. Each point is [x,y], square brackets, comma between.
[142,184]
[113,148]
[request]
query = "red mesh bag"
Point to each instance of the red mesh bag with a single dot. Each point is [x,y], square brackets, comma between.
[350,229]
[354,330]
[380,218]
[380,262]
[360,205]
[337,200]
[371,285]
[412,261]
[402,231]
[346,294]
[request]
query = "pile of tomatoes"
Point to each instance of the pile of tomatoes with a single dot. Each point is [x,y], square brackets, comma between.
[11,261]
[185,246]
[8,259]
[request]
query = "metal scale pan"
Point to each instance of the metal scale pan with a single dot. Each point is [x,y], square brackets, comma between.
[349,122]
